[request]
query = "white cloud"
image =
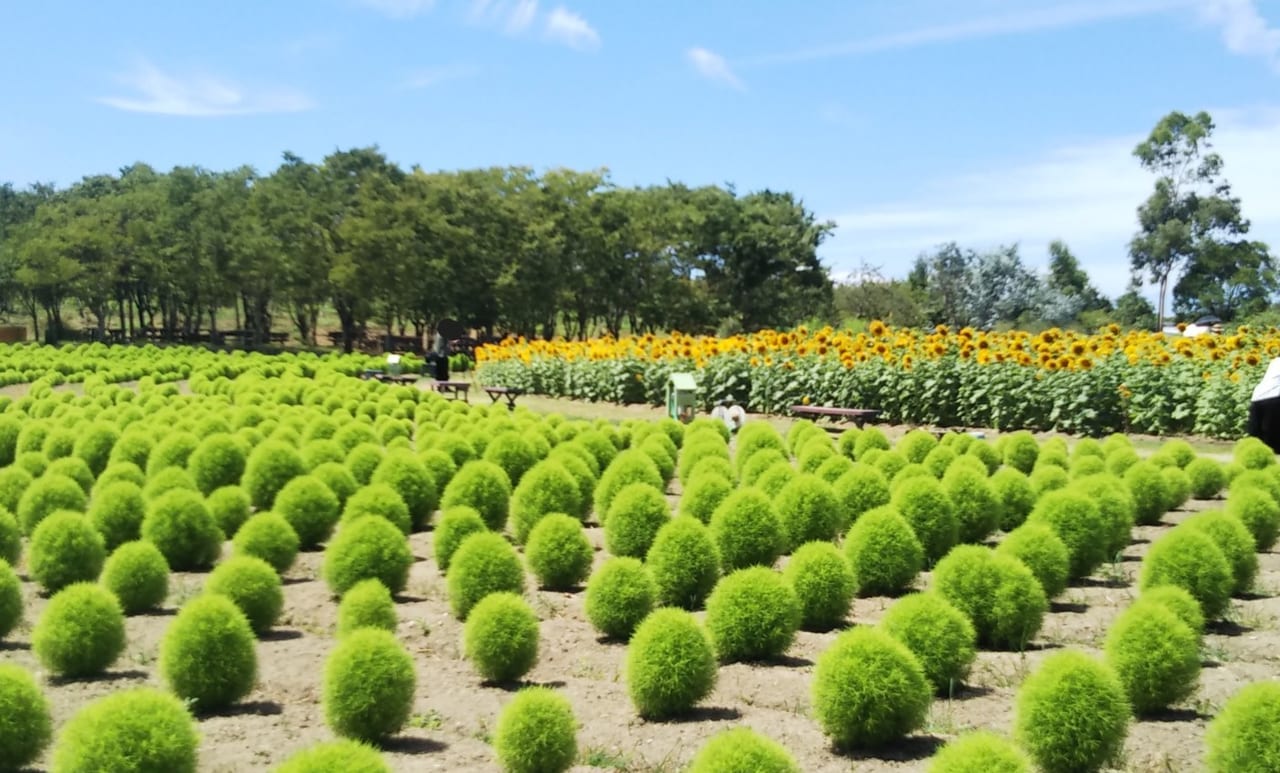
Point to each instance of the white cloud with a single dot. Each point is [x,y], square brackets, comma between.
[713,67]
[565,26]
[1086,194]
[428,77]
[199,95]
[1244,30]
[400,9]
[513,17]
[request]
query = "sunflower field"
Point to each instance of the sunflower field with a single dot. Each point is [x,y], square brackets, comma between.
[1085,383]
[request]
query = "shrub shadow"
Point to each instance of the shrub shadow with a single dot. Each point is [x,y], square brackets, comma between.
[516,686]
[14,646]
[1098,582]
[296,580]
[1226,628]
[105,676]
[965,692]
[1173,715]
[1253,596]
[1066,607]
[156,612]
[786,661]
[574,591]
[405,598]
[249,709]
[911,749]
[281,634]
[701,714]
[611,641]
[412,744]
[1036,646]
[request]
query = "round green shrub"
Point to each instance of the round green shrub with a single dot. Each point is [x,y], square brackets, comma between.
[824,585]
[908,473]
[500,637]
[73,468]
[883,552]
[1177,487]
[439,465]
[310,507]
[512,453]
[10,537]
[318,452]
[939,461]
[484,563]
[207,655]
[629,467]
[747,530]
[367,604]
[703,495]
[684,562]
[1260,514]
[47,495]
[1245,736]
[117,472]
[546,488]
[1176,600]
[1040,548]
[362,460]
[695,450]
[809,510]
[1076,519]
[671,664]
[536,733]
[980,752]
[219,460]
[1265,480]
[741,749]
[1150,490]
[133,447]
[166,480]
[916,444]
[269,467]
[26,727]
[775,479]
[620,594]
[181,526]
[1120,460]
[939,635]
[1190,559]
[1253,454]
[1236,543]
[1085,466]
[13,482]
[558,551]
[138,575]
[338,478]
[752,614]
[33,463]
[977,509]
[369,682]
[379,500]
[367,548]
[1155,655]
[868,439]
[142,729]
[483,486]
[401,470]
[456,524]
[1115,504]
[927,508]
[600,445]
[117,511]
[711,465]
[270,537]
[1048,477]
[861,489]
[342,755]
[230,508]
[10,428]
[254,587]
[173,450]
[65,549]
[81,631]
[999,594]
[869,690]
[1072,714]
[890,463]
[1020,451]
[636,514]
[834,468]
[10,599]
[1207,478]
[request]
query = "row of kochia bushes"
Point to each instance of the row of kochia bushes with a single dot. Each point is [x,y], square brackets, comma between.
[107,493]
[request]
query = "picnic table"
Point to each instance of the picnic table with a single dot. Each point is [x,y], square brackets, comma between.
[858,416]
[455,390]
[509,393]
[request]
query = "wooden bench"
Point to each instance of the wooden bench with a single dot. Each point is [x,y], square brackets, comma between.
[510,393]
[455,390]
[858,416]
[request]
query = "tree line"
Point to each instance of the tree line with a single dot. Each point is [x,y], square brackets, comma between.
[498,249]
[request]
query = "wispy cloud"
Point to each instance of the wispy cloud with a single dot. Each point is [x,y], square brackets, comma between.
[1086,194]
[399,9]
[428,77]
[1244,29]
[714,68]
[1054,17]
[566,27]
[513,17]
[156,91]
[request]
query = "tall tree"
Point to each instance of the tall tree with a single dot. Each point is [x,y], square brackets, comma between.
[1068,278]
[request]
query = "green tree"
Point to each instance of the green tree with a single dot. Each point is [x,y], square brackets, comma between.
[1067,277]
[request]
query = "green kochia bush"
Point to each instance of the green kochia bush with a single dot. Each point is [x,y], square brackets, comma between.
[269,467]
[635,515]
[116,511]
[166,480]
[927,508]
[976,507]
[1150,489]
[369,682]
[1016,497]
[10,537]
[456,524]
[980,752]
[10,599]
[74,468]
[208,655]
[173,450]
[47,495]
[142,729]
[1176,600]
[138,575]
[1245,736]
[513,453]
[81,631]
[1038,546]
[1020,451]
[401,470]
[1253,454]
[13,482]
[703,495]
[1078,522]
[500,637]
[809,510]
[379,499]
[338,478]
[26,726]
[869,690]
[1072,714]
[230,508]
[1207,478]
[1115,503]
[269,537]
[1236,543]
[483,486]
[1190,559]
[747,530]
[684,562]
[65,548]
[362,460]
[181,526]
[484,563]
[1260,513]
[310,507]
[546,488]
[218,461]
[939,635]
[620,594]
[367,548]
[999,594]
[344,755]
[883,552]
[860,489]
[254,587]
[752,614]
[630,466]
[671,664]
[367,604]
[558,551]
[536,733]
[824,585]
[741,749]
[1155,655]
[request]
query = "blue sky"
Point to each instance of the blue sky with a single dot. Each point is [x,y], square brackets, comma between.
[909,122]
